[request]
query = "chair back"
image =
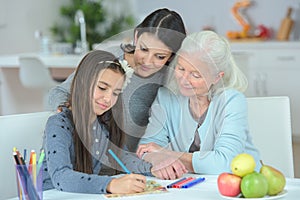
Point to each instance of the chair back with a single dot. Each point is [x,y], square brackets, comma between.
[34,74]
[23,131]
[270,127]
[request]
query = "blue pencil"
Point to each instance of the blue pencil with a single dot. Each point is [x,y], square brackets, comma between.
[194,182]
[171,185]
[24,155]
[118,161]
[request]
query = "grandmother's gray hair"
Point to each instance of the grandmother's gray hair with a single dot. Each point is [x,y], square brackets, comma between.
[215,51]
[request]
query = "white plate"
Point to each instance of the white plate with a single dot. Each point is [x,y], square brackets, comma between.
[278,196]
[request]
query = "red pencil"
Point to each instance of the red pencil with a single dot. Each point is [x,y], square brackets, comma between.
[178,185]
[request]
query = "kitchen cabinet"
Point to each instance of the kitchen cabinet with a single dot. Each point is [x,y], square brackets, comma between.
[272,69]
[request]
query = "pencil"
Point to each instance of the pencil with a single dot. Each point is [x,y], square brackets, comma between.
[171,185]
[178,185]
[194,182]
[29,190]
[34,168]
[30,162]
[118,161]
[17,162]
[25,154]
[40,162]
[20,158]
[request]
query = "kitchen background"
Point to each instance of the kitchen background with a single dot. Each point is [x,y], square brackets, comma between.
[19,21]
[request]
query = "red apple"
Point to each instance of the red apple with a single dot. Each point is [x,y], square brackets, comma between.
[229,184]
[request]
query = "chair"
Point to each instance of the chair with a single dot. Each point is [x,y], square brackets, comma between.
[270,127]
[35,75]
[23,131]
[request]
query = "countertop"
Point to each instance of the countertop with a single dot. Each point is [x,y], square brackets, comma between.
[269,44]
[72,60]
[53,61]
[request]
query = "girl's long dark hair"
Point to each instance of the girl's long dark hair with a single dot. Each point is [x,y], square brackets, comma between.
[82,88]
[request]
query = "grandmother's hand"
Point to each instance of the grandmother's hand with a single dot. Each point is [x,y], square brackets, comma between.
[148,148]
[167,167]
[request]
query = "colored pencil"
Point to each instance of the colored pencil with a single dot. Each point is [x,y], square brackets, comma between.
[30,161]
[28,188]
[119,161]
[34,168]
[25,155]
[40,162]
[193,182]
[171,185]
[178,185]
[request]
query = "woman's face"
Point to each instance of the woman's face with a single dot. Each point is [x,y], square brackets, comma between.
[150,55]
[193,76]
[108,87]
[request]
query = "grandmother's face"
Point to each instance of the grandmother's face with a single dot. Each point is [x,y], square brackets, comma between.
[193,76]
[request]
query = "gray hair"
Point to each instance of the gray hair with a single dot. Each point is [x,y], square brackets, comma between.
[215,51]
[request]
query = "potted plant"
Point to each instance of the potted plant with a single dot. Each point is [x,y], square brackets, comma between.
[99,25]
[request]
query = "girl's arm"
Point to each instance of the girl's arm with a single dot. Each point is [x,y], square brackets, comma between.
[58,145]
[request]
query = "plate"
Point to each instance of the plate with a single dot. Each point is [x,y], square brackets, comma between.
[278,196]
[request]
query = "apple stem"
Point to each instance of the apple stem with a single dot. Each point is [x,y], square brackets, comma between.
[261,162]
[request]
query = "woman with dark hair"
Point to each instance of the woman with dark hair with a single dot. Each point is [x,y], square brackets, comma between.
[156,39]
[77,139]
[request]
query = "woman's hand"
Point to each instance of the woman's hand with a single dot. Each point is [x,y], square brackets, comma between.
[165,166]
[130,183]
[148,148]
[60,107]
[169,169]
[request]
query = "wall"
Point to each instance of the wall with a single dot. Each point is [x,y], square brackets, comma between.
[216,13]
[20,19]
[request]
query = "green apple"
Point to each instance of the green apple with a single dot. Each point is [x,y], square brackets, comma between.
[276,180]
[254,185]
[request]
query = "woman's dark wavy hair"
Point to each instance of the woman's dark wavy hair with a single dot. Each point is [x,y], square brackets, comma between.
[81,102]
[166,24]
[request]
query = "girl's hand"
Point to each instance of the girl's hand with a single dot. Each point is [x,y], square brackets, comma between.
[130,183]
[148,148]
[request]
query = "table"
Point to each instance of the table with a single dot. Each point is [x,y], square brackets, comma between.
[206,190]
[14,98]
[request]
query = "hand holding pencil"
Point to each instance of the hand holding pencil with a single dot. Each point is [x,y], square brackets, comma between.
[130,183]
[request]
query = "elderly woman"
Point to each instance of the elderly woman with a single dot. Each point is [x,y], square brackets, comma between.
[202,121]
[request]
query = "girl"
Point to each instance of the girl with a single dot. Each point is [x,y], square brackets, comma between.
[77,138]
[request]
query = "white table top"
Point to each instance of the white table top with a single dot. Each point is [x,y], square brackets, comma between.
[53,61]
[206,190]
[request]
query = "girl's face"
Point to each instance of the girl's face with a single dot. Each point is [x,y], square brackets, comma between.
[193,76]
[108,87]
[150,55]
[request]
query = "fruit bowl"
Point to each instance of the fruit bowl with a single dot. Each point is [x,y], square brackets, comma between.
[267,197]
